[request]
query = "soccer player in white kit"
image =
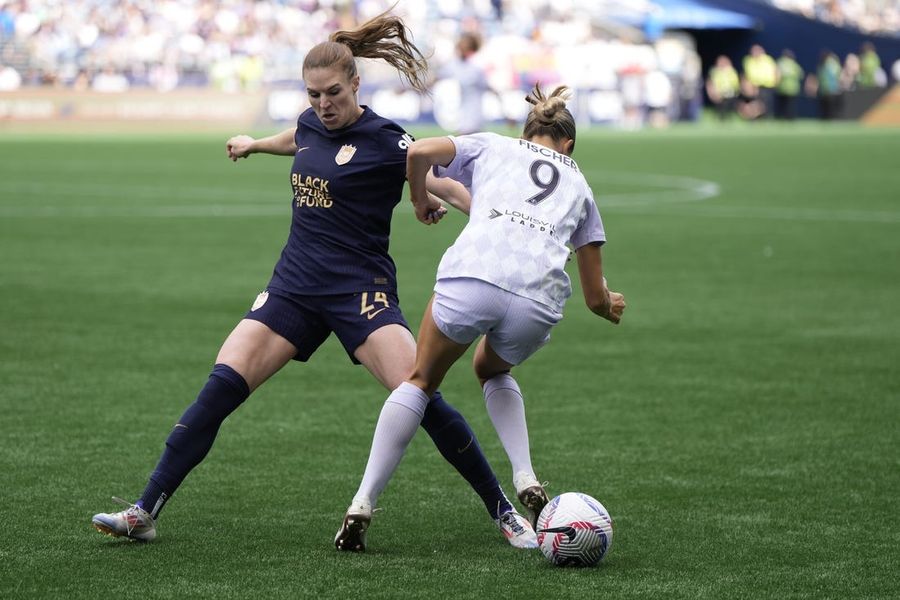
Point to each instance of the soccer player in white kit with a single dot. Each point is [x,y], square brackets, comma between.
[504,279]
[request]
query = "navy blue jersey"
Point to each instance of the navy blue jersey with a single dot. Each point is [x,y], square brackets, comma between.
[346,183]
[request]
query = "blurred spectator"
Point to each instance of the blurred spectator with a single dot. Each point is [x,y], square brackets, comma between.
[659,95]
[110,81]
[749,106]
[473,84]
[250,71]
[872,16]
[163,77]
[82,81]
[825,84]
[631,86]
[7,21]
[10,79]
[678,59]
[790,76]
[870,72]
[761,71]
[850,73]
[723,86]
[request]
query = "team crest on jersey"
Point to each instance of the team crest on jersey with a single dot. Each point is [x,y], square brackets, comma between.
[260,300]
[345,154]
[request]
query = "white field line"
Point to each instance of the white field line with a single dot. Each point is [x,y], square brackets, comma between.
[677,189]
[664,189]
[774,213]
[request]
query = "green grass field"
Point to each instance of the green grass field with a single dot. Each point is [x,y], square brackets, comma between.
[742,425]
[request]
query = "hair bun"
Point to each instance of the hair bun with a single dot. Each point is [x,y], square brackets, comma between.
[550,107]
[549,115]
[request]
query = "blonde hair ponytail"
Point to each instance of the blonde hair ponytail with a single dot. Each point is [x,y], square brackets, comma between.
[385,37]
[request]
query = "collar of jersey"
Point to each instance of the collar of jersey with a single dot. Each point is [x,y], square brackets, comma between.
[309,119]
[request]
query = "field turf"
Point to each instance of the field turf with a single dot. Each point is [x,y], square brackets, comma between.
[742,425]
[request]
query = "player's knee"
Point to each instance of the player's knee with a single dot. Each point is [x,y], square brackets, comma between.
[482,366]
[486,372]
[425,382]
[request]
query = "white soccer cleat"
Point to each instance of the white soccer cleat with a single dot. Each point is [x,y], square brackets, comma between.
[135,523]
[531,494]
[351,537]
[518,531]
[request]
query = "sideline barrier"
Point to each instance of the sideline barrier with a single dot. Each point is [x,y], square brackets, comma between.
[886,111]
[191,110]
[59,109]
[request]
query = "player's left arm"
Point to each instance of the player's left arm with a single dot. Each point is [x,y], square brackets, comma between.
[597,296]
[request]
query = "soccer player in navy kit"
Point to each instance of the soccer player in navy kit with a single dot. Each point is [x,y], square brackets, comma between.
[334,275]
[503,281]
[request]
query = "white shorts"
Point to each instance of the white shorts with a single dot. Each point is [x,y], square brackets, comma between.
[515,326]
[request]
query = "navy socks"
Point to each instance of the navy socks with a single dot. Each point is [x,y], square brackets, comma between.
[457,444]
[193,435]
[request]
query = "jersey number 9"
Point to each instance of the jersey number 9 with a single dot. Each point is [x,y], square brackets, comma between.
[540,179]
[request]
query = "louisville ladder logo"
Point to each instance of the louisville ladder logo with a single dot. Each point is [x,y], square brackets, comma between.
[345,154]
[369,309]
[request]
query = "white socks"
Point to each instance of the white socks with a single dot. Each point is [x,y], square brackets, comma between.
[400,418]
[506,408]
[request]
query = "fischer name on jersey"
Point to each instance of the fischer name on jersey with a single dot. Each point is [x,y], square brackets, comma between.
[345,183]
[528,204]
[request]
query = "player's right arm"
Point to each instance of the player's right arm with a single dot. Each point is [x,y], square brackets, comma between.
[452,192]
[420,157]
[242,146]
[597,296]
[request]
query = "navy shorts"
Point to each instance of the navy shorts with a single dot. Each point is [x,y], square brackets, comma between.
[307,321]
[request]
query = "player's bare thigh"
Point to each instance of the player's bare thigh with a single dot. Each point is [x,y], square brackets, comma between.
[487,363]
[389,353]
[435,354]
[255,351]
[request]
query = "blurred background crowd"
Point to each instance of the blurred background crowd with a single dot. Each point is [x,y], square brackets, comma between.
[770,87]
[870,16]
[491,47]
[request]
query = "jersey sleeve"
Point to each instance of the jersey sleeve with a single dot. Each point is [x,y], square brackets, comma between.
[395,142]
[468,149]
[590,230]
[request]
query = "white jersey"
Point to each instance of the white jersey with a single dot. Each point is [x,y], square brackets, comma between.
[528,204]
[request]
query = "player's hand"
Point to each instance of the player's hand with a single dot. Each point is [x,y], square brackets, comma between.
[238,147]
[617,307]
[430,213]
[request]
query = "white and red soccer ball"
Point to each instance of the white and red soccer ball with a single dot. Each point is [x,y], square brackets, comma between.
[574,529]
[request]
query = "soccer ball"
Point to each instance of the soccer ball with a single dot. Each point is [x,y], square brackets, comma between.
[574,530]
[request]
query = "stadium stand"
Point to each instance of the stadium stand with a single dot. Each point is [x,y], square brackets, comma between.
[630,62]
[246,45]
[880,17]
